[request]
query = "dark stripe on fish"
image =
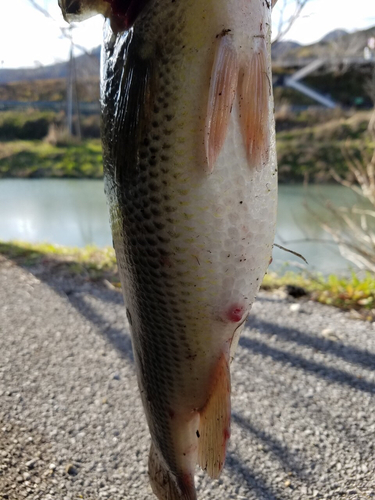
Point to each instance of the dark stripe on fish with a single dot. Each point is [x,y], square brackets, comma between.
[126,109]
[136,93]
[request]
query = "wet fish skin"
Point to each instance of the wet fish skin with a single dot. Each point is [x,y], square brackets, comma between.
[190,178]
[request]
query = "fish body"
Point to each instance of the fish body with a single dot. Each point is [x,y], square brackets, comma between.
[191,181]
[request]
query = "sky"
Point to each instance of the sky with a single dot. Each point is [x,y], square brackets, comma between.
[28,38]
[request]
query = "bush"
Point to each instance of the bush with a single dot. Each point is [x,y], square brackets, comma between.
[27,125]
[36,125]
[90,126]
[34,129]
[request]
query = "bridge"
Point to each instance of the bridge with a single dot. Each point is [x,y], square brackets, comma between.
[305,67]
[302,68]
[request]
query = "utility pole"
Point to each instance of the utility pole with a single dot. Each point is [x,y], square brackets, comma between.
[72,94]
[76,101]
[69,93]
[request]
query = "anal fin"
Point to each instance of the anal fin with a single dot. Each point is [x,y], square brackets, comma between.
[214,425]
[254,98]
[164,484]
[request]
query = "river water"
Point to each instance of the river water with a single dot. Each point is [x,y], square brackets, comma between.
[74,213]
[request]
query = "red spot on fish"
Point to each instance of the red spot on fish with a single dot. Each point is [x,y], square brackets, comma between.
[271,259]
[235,313]
[226,434]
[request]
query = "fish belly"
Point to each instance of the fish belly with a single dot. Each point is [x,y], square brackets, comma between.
[190,177]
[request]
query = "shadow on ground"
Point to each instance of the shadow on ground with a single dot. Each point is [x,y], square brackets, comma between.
[77,290]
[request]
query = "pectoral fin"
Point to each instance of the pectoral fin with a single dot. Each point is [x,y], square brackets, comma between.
[223,85]
[214,426]
[254,93]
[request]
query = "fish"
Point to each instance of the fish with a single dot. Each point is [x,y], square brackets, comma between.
[190,176]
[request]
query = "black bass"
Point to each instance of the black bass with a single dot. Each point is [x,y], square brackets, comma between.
[191,181]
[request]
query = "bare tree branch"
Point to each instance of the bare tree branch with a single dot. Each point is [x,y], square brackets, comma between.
[66,32]
[284,25]
[40,9]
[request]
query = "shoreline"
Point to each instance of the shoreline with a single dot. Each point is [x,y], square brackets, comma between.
[98,265]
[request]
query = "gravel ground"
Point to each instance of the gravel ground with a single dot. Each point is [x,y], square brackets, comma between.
[72,426]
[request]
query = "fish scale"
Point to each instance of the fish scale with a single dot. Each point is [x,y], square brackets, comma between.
[190,178]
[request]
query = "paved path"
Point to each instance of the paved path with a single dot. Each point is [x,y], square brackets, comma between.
[71,422]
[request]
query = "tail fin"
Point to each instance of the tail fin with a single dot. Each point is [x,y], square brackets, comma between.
[214,426]
[164,484]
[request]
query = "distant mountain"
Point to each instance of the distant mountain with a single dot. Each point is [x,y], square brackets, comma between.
[280,48]
[334,35]
[337,43]
[86,65]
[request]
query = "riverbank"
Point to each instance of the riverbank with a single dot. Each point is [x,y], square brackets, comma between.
[98,265]
[39,159]
[310,144]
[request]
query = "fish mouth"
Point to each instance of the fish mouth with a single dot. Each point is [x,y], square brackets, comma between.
[122,13]
[70,6]
[80,10]
[70,9]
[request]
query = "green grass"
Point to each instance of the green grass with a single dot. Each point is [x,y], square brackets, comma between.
[40,159]
[348,293]
[98,264]
[90,263]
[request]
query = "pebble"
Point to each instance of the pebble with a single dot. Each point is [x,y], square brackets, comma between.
[71,470]
[295,307]
[31,463]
